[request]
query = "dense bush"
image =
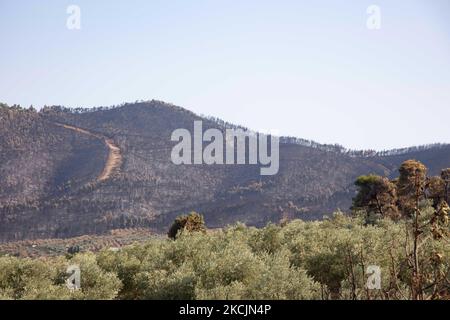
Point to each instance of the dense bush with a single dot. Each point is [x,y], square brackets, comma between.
[45,279]
[300,260]
[191,222]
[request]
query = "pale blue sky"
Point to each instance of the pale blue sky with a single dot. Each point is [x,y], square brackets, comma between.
[310,69]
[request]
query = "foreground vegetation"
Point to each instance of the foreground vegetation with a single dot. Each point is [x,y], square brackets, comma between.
[299,260]
[399,227]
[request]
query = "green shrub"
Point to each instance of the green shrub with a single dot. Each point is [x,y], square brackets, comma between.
[191,222]
[301,260]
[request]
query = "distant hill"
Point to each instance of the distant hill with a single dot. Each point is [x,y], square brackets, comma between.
[66,173]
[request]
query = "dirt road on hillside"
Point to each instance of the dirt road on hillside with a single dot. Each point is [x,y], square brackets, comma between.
[114,156]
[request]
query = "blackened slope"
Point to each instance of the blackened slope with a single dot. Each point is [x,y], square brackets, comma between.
[114,159]
[149,190]
[39,159]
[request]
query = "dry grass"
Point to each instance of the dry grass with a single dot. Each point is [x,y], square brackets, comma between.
[54,247]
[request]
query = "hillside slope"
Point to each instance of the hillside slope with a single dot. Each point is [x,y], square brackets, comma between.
[54,184]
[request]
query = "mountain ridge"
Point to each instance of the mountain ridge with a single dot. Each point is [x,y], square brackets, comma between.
[46,172]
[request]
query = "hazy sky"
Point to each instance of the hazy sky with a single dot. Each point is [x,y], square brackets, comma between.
[310,69]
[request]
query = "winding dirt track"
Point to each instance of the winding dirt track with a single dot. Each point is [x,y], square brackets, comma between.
[114,156]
